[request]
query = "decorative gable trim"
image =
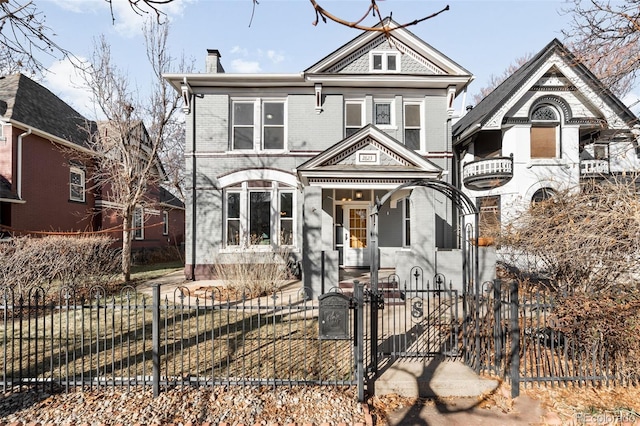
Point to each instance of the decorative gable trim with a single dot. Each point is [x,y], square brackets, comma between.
[355,55]
[364,143]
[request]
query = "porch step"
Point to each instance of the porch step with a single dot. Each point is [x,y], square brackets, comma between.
[390,291]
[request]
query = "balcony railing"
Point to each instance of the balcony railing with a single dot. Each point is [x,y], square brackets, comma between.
[487,173]
[594,168]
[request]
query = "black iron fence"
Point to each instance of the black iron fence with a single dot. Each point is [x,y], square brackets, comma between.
[519,338]
[128,339]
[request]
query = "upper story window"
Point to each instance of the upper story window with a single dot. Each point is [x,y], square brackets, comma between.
[258,125]
[76,184]
[388,61]
[354,117]
[383,113]
[413,126]
[545,132]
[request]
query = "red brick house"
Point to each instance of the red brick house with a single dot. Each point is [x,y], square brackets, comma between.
[45,173]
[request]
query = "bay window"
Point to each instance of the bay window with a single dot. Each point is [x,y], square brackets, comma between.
[259,213]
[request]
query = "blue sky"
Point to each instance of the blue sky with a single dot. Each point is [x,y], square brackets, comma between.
[485,37]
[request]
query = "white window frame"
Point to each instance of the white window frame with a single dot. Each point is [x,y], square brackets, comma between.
[82,186]
[384,54]
[138,229]
[165,222]
[392,113]
[406,221]
[362,114]
[244,220]
[420,104]
[556,124]
[258,124]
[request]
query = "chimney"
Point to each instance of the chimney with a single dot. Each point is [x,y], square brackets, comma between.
[212,64]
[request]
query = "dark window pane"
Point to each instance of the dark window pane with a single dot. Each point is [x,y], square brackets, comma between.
[354,115]
[233,205]
[286,205]
[233,232]
[274,138]
[377,62]
[412,115]
[350,131]
[243,138]
[286,232]
[273,113]
[260,217]
[412,138]
[391,62]
[243,114]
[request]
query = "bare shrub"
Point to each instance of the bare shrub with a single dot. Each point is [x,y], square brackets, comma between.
[609,321]
[57,261]
[586,240]
[255,272]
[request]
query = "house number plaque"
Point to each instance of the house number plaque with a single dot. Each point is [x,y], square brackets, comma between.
[333,318]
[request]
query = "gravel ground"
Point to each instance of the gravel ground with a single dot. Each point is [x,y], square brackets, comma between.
[182,406]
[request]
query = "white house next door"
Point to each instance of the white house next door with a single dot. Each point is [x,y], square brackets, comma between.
[356,236]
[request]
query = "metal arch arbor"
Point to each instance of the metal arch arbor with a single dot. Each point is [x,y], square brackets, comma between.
[465,207]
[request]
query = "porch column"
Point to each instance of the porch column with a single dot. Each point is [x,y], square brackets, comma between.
[312,241]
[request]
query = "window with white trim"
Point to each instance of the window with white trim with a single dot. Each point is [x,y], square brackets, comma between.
[388,61]
[165,222]
[76,184]
[258,124]
[413,126]
[545,132]
[353,117]
[138,223]
[259,213]
[406,222]
[383,113]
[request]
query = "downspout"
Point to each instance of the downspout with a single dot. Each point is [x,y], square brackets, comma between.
[193,187]
[19,163]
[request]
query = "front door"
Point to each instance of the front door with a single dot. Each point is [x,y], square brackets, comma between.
[356,236]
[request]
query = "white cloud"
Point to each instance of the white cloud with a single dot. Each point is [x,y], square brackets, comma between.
[242,66]
[237,50]
[65,81]
[128,21]
[274,56]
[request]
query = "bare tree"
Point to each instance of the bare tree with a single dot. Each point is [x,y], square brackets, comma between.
[22,34]
[605,36]
[127,151]
[583,239]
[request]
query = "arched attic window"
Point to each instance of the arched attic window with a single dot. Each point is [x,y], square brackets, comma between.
[545,132]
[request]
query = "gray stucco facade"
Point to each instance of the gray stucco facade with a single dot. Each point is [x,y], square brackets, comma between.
[298,160]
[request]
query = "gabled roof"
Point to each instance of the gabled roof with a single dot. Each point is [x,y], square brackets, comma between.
[168,199]
[430,68]
[401,38]
[390,160]
[23,101]
[477,117]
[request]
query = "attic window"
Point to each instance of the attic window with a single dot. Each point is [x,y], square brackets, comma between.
[544,113]
[385,61]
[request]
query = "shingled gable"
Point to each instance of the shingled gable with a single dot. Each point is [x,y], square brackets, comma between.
[27,103]
[479,116]
[422,57]
[394,160]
